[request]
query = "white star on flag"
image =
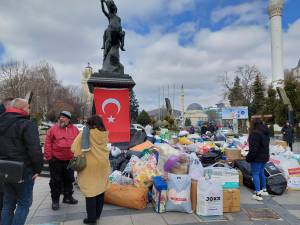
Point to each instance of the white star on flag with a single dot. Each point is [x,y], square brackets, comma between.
[111,119]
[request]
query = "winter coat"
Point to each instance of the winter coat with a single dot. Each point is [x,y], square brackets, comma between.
[258,147]
[288,134]
[19,138]
[2,109]
[58,142]
[93,179]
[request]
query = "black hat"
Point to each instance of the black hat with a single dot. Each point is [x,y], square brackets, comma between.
[66,114]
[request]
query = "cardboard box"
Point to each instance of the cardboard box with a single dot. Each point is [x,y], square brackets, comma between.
[194,195]
[281,143]
[231,200]
[233,154]
[241,178]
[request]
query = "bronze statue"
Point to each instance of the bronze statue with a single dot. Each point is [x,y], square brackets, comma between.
[113,38]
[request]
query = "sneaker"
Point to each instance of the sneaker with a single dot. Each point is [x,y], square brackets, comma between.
[263,193]
[70,200]
[257,197]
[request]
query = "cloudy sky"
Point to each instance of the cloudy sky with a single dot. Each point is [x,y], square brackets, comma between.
[168,42]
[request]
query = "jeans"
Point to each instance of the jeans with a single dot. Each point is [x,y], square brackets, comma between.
[94,206]
[61,179]
[258,174]
[17,200]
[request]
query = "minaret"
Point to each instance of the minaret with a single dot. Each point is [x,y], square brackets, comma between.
[182,103]
[86,95]
[275,13]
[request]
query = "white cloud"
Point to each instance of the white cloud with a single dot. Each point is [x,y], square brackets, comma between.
[69,34]
[245,13]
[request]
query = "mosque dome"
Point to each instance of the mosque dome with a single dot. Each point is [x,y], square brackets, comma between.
[194,106]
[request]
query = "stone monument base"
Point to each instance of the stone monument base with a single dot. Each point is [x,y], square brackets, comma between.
[110,80]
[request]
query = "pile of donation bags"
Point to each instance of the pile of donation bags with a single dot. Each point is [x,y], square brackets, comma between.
[175,179]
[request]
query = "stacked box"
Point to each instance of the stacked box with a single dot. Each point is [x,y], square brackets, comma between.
[233,154]
[231,200]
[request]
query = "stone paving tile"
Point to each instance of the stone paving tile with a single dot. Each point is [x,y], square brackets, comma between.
[241,223]
[291,206]
[148,219]
[118,220]
[246,196]
[179,218]
[237,216]
[272,222]
[296,213]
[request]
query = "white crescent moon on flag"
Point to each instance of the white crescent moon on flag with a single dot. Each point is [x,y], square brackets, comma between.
[113,101]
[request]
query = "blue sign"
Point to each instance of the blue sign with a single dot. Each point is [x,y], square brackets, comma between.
[235,113]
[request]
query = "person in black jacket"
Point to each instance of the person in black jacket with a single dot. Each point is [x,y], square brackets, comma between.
[258,155]
[19,140]
[5,104]
[288,134]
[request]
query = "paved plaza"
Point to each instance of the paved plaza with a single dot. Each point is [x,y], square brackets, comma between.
[285,207]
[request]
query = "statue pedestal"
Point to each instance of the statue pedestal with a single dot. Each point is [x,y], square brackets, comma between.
[111,102]
[110,80]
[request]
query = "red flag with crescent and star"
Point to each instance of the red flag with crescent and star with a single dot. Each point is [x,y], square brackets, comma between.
[113,106]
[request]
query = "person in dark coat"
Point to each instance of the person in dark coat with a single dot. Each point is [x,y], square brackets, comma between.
[5,103]
[19,138]
[288,134]
[204,129]
[258,156]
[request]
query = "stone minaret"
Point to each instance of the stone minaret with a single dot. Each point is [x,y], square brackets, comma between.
[182,103]
[86,95]
[275,13]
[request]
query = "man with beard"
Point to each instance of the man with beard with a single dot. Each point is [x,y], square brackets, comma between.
[58,152]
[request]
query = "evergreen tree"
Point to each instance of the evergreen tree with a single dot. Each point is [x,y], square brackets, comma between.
[258,102]
[236,97]
[271,101]
[134,107]
[144,118]
[281,113]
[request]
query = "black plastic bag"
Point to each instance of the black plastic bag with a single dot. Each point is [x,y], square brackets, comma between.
[276,182]
[245,168]
[210,158]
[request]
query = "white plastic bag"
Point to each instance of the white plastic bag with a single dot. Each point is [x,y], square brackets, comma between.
[209,198]
[196,170]
[115,151]
[179,193]
[224,174]
[117,177]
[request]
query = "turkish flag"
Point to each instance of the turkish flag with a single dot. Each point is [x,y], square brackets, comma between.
[113,106]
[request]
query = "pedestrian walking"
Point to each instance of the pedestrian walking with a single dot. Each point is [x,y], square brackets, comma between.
[58,143]
[19,138]
[288,134]
[93,179]
[258,155]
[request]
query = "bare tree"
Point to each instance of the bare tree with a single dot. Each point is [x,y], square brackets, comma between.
[13,79]
[247,75]
[50,96]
